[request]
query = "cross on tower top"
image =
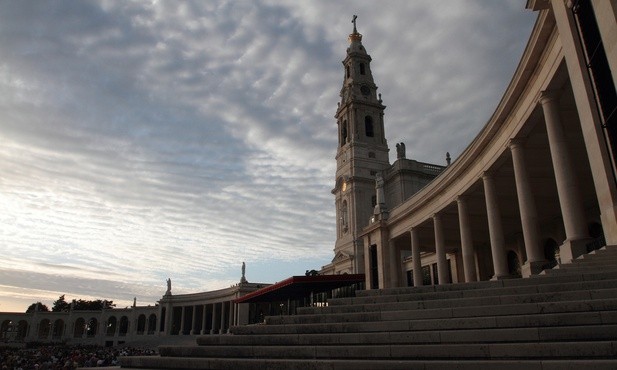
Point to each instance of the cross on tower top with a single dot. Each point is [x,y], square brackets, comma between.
[353,20]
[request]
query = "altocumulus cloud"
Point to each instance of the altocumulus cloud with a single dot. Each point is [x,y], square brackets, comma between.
[146,140]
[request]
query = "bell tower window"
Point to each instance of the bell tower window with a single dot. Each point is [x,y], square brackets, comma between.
[368,126]
[344,133]
[347,73]
[344,216]
[362,69]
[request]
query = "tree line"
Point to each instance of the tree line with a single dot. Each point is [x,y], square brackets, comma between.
[61,305]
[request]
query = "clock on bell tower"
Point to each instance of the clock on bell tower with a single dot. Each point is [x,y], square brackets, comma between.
[362,152]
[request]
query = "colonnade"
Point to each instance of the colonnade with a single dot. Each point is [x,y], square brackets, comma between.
[211,318]
[517,187]
[570,200]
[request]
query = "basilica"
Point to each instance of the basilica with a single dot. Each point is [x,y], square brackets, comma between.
[525,217]
[535,189]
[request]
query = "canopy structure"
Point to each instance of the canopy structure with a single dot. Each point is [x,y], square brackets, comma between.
[297,287]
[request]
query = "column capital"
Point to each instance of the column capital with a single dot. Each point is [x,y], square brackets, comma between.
[547,96]
[487,175]
[436,216]
[462,198]
[516,143]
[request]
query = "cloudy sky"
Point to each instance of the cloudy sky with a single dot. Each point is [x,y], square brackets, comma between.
[148,139]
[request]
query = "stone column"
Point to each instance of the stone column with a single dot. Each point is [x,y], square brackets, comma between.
[469,262]
[415,257]
[440,250]
[383,260]
[193,321]
[204,321]
[222,328]
[500,263]
[598,153]
[231,316]
[214,322]
[182,313]
[572,209]
[168,318]
[528,212]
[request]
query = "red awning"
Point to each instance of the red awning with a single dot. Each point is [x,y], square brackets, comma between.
[299,287]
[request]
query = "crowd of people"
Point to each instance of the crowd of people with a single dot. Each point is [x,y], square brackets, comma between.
[65,357]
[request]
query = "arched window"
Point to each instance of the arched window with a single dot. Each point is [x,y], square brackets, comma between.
[347,72]
[58,329]
[92,327]
[44,329]
[22,329]
[368,126]
[124,326]
[141,324]
[344,216]
[344,133]
[80,327]
[112,323]
[6,329]
[151,324]
[362,69]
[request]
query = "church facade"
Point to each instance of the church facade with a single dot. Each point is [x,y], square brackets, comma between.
[535,189]
[362,161]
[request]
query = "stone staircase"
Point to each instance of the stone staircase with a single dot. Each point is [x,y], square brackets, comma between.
[564,319]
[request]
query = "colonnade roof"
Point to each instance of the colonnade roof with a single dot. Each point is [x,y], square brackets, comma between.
[300,286]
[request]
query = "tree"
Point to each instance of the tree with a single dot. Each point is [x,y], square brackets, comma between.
[97,305]
[38,306]
[61,305]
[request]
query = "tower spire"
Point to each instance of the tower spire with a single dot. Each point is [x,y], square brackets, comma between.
[355,36]
[362,153]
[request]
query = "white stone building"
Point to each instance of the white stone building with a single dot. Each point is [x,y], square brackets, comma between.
[204,313]
[534,189]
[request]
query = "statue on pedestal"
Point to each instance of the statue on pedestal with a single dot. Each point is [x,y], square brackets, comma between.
[243,278]
[400,150]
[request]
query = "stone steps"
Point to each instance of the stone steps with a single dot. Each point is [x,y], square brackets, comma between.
[497,335]
[381,312]
[560,269]
[466,302]
[499,351]
[565,319]
[476,293]
[487,322]
[363,364]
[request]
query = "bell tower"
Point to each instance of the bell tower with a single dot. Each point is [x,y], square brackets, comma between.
[362,153]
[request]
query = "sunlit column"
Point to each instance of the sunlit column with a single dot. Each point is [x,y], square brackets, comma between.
[415,257]
[572,209]
[528,212]
[500,263]
[469,263]
[440,250]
